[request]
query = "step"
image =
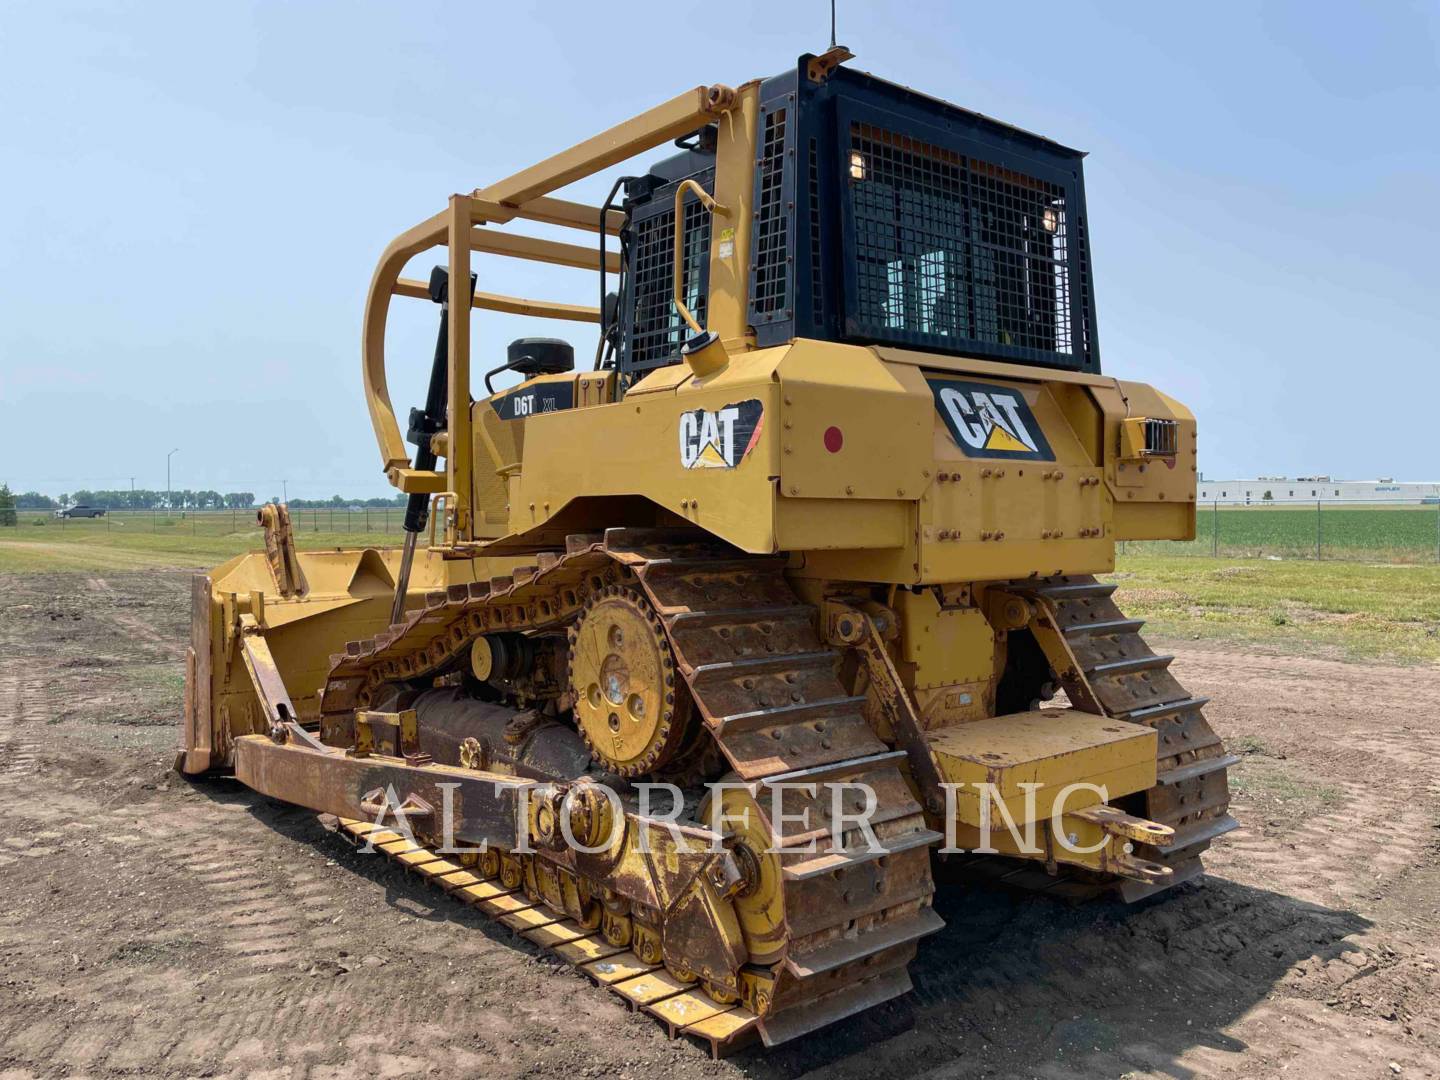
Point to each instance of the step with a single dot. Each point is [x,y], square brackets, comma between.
[1197,769]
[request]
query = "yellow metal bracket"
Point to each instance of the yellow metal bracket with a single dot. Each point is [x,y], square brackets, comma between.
[1013,611]
[412,481]
[394,733]
[1120,829]
[280,550]
[858,629]
[270,687]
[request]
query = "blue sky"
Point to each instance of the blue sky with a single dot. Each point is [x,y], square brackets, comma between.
[193,196]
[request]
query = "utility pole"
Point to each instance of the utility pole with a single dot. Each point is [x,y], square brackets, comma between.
[285,491]
[167,475]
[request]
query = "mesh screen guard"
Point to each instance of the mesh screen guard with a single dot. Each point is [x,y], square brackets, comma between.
[947,248]
[654,329]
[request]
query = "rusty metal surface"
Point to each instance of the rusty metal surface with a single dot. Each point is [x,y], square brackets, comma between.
[485,806]
[544,750]
[858,629]
[769,694]
[280,550]
[1104,663]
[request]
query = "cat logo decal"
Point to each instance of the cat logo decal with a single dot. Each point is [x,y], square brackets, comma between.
[720,438]
[990,421]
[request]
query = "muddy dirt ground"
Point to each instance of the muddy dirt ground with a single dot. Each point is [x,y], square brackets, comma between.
[151,926]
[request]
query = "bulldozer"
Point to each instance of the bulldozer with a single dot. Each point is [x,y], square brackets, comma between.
[701,659]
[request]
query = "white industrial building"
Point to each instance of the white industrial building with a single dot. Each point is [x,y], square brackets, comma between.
[1311,489]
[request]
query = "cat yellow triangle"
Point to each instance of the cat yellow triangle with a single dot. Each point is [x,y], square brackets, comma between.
[1000,439]
[710,458]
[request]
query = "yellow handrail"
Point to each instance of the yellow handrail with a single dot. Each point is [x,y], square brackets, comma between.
[710,204]
[524,195]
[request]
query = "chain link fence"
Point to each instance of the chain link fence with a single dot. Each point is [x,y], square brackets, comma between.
[1357,532]
[1394,532]
[341,520]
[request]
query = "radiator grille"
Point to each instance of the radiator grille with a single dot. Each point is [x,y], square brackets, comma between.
[769,291]
[949,247]
[656,329]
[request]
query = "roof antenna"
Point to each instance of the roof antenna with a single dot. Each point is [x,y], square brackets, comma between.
[820,67]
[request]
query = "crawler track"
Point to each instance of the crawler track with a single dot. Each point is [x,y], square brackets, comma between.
[1130,681]
[1119,675]
[768,694]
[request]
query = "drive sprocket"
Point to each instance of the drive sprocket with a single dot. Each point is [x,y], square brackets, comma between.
[631,707]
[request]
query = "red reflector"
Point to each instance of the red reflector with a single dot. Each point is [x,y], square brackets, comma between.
[834,439]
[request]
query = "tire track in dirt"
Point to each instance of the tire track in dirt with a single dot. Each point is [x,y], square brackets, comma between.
[199,929]
[1344,856]
[1412,748]
[208,924]
[17,751]
[138,629]
[265,1006]
[1383,779]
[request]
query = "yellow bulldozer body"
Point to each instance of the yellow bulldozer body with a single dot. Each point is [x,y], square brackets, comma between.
[840,556]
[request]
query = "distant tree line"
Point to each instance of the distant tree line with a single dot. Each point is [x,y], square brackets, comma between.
[339,502]
[139,499]
[7,506]
[144,499]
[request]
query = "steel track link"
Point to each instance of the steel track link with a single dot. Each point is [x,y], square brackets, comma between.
[1124,678]
[681,1005]
[1130,681]
[768,691]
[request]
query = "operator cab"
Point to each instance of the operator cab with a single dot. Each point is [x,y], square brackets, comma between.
[881,217]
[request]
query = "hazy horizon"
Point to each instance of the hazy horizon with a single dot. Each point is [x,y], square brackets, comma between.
[195,198]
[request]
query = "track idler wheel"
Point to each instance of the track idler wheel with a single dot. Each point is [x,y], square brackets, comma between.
[759,899]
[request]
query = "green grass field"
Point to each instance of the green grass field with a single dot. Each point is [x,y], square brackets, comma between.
[1407,533]
[133,540]
[1378,609]
[1360,611]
